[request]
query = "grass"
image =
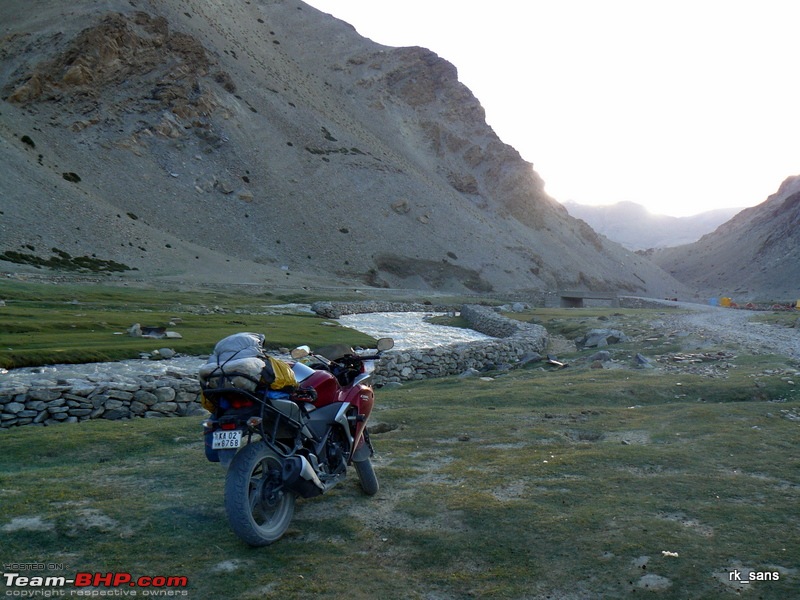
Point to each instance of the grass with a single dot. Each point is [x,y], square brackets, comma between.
[537,483]
[45,324]
[786,318]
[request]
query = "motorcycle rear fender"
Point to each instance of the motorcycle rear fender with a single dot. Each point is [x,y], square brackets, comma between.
[226,456]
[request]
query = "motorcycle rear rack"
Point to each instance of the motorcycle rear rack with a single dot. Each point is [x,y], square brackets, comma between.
[270,438]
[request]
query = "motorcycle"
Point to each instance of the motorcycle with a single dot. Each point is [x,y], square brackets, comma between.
[295,441]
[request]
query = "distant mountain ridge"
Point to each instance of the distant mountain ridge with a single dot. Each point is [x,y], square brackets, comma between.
[636,228]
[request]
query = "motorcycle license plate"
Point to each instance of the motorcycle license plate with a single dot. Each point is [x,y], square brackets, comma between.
[223,440]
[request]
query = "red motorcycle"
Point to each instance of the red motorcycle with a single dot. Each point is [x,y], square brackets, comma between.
[296,440]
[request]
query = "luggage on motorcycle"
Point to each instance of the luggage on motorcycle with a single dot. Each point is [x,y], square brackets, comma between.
[239,345]
[278,374]
[237,361]
[206,403]
[243,373]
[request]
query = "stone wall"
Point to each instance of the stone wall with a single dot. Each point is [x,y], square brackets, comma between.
[514,341]
[634,302]
[46,401]
[334,310]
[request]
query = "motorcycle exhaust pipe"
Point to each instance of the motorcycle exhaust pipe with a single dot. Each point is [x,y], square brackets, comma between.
[299,476]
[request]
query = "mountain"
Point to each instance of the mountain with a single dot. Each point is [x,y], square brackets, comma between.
[636,228]
[267,142]
[754,256]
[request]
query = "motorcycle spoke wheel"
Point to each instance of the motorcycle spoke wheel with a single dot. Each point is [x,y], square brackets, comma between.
[259,510]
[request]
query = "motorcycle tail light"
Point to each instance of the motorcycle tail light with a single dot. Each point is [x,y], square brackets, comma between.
[228,426]
[241,403]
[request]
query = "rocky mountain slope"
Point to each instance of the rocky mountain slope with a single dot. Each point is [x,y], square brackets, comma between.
[636,228]
[268,142]
[754,256]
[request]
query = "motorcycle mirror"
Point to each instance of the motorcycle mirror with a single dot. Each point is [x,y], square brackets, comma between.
[300,352]
[385,344]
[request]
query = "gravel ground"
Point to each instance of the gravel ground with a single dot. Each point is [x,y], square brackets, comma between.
[733,326]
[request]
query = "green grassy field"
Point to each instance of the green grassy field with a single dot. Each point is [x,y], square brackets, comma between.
[47,324]
[537,483]
[533,484]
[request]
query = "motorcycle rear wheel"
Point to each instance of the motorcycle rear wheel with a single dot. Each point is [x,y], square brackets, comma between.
[367,477]
[259,511]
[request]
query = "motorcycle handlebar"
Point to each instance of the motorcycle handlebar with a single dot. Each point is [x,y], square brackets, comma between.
[351,357]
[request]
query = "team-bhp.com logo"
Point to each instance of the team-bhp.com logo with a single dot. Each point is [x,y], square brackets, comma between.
[93,584]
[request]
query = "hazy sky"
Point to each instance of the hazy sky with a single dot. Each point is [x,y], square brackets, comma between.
[679,105]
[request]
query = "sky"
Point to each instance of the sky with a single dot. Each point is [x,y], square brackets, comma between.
[682,106]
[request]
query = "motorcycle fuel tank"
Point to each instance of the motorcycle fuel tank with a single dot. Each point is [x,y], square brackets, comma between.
[326,386]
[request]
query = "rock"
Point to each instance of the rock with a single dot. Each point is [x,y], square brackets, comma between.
[135,330]
[401,207]
[530,357]
[117,413]
[166,352]
[651,581]
[144,397]
[381,428]
[165,394]
[195,410]
[44,394]
[599,338]
[602,356]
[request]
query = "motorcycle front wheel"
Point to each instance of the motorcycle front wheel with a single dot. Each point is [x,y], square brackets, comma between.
[367,477]
[258,509]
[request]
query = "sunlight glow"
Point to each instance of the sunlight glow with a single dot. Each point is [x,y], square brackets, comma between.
[681,106]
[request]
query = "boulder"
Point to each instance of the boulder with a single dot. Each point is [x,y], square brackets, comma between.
[600,338]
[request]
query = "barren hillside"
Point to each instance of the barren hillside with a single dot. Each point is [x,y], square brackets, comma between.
[754,256]
[266,141]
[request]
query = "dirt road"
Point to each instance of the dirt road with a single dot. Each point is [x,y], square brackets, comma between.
[734,326]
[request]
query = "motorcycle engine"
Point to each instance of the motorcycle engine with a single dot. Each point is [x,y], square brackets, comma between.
[337,450]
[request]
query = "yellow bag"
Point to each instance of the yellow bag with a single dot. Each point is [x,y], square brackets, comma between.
[281,374]
[206,403]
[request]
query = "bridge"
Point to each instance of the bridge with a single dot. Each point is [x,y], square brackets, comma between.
[575,298]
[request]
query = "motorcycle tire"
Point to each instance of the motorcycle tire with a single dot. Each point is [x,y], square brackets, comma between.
[367,477]
[259,511]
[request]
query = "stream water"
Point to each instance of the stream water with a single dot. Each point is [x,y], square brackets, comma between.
[408,329]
